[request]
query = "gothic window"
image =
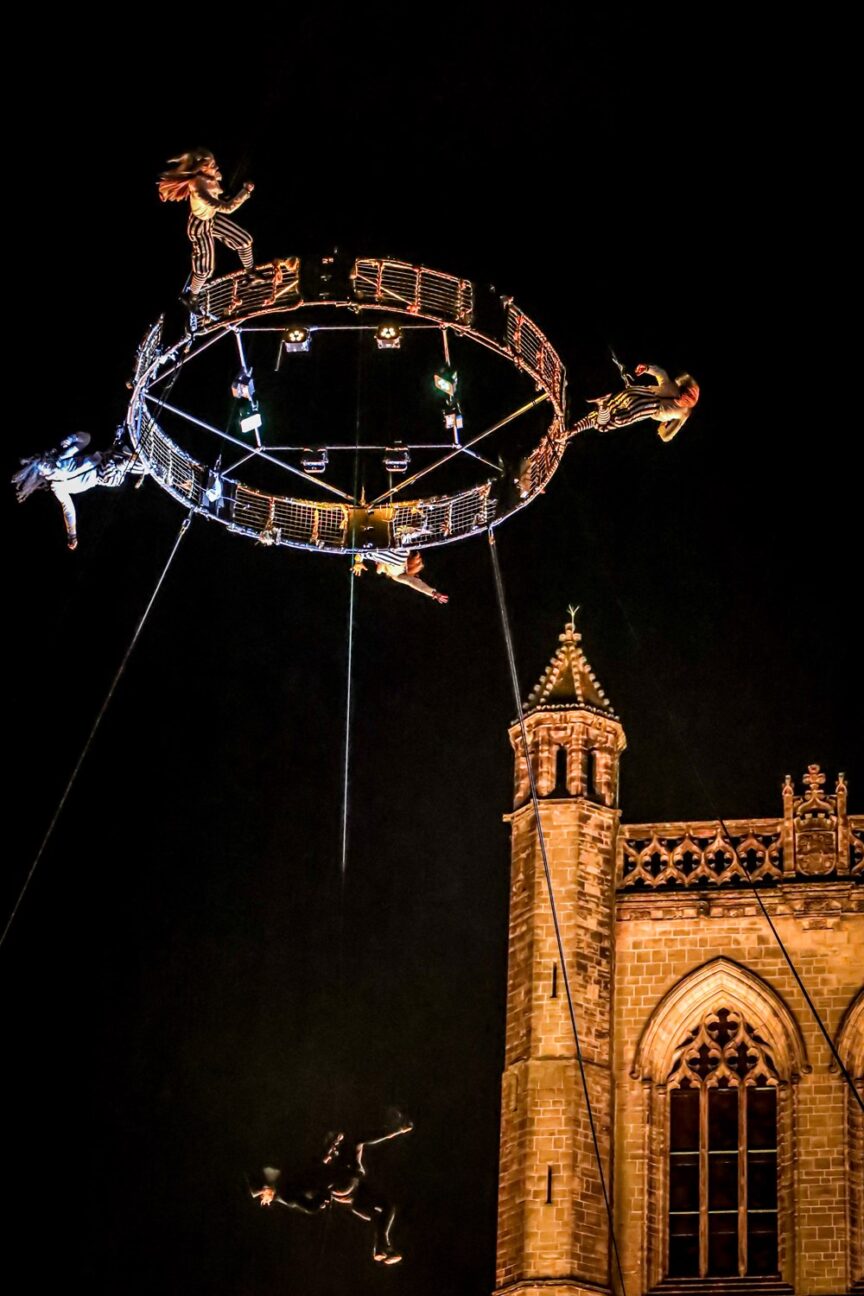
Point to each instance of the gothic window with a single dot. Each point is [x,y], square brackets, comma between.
[722,1152]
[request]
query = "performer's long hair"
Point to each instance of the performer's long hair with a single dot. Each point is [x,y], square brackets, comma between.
[414,564]
[174,184]
[32,475]
[689,390]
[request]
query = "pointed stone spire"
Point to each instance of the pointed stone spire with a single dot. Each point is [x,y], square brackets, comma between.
[568,680]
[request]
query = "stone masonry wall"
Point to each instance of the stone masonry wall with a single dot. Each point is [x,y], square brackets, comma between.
[662,938]
[552,1217]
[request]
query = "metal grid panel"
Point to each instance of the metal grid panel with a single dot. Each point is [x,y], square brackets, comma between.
[289,521]
[414,288]
[232,293]
[538,467]
[443,518]
[170,465]
[149,350]
[536,353]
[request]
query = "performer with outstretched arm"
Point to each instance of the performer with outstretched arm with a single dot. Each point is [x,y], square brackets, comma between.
[400,565]
[668,402]
[196,176]
[69,471]
[345,1184]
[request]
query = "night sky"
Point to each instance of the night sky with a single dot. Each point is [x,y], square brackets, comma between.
[190,992]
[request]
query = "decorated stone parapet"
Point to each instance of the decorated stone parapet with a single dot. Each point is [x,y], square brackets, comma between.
[816,825]
[816,838]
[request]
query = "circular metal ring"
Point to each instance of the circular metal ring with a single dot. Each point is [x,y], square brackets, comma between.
[285,298]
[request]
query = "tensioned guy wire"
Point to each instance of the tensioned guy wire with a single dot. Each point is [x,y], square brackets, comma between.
[517,697]
[184,527]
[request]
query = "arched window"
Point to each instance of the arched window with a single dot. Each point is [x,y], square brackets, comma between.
[753,1046]
[723,1172]
[850,1045]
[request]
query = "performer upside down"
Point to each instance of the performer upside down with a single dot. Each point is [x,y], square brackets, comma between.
[400,565]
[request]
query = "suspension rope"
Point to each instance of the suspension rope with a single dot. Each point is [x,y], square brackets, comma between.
[695,764]
[184,527]
[692,757]
[787,956]
[346,762]
[541,838]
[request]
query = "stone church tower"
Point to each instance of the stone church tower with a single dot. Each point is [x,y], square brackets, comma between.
[731,1142]
[553,1221]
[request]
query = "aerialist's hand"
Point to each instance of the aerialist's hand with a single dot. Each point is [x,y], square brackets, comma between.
[439,598]
[640,368]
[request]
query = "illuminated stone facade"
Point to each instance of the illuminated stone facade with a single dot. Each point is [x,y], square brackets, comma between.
[731,1145]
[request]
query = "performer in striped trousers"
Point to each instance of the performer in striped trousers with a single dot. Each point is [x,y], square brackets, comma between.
[668,402]
[196,176]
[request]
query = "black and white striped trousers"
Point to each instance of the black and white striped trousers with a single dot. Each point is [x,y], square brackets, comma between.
[632,405]
[202,234]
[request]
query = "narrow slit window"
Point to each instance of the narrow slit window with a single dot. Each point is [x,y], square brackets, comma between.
[561,772]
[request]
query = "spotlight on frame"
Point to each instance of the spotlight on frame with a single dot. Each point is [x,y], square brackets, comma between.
[297,338]
[446,381]
[453,420]
[243,386]
[396,460]
[388,336]
[314,461]
[252,422]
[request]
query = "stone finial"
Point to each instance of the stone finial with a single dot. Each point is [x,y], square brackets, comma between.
[818,822]
[568,679]
[813,779]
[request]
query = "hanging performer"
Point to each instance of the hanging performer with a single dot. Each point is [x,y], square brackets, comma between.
[668,402]
[196,176]
[69,471]
[310,1203]
[345,1184]
[402,565]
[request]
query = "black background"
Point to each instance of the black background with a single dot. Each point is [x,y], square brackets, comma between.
[188,996]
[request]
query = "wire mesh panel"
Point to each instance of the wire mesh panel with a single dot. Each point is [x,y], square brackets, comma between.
[172,467]
[536,354]
[444,518]
[275,519]
[413,288]
[275,284]
[149,350]
[536,469]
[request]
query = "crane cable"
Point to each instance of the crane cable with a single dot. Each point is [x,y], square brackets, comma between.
[541,839]
[184,527]
[788,957]
[693,758]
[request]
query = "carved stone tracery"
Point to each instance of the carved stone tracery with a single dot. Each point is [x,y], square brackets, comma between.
[723,1049]
[815,838]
